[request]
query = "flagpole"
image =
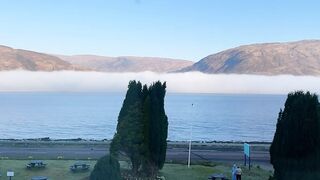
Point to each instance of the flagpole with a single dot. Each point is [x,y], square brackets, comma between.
[190,143]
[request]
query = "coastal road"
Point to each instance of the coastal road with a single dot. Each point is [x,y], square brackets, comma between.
[260,157]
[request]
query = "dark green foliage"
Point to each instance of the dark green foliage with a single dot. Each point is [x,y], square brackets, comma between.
[156,127]
[129,137]
[142,128]
[107,168]
[295,148]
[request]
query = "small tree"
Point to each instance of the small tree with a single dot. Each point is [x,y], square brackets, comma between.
[107,168]
[295,148]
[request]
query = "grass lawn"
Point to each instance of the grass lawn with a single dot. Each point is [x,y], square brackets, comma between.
[55,170]
[200,172]
[59,169]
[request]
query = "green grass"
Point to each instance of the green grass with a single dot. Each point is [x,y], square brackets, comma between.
[200,172]
[55,170]
[59,169]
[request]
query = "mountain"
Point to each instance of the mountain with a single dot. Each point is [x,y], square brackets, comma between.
[126,63]
[296,58]
[11,59]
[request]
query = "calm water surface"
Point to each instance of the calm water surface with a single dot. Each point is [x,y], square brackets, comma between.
[94,115]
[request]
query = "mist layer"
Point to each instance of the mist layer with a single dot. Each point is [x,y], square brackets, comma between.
[191,82]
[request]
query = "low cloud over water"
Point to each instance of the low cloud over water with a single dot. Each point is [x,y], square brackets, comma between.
[191,82]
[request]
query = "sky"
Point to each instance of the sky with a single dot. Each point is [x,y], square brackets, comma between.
[184,29]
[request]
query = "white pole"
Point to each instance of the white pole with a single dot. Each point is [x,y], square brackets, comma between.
[189,152]
[190,143]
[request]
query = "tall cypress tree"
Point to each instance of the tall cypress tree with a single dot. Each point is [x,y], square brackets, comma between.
[146,130]
[156,127]
[129,137]
[161,122]
[142,128]
[295,148]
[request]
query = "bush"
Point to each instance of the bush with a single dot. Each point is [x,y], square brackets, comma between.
[107,168]
[295,149]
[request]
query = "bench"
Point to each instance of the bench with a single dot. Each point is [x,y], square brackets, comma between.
[39,178]
[217,176]
[79,166]
[36,164]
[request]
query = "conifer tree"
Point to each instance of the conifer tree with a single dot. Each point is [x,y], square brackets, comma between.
[156,127]
[129,135]
[295,148]
[142,128]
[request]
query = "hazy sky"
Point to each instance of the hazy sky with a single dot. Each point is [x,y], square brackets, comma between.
[188,29]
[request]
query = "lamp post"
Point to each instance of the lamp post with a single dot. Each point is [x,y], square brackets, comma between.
[190,142]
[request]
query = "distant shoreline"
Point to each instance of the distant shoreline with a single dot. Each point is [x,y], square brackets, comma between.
[47,139]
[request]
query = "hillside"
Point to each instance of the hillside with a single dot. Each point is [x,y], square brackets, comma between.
[126,63]
[296,58]
[11,59]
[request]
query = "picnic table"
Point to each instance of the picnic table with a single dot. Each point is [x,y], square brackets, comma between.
[36,164]
[79,166]
[217,176]
[39,178]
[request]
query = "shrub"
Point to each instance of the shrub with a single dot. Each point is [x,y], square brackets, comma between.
[107,168]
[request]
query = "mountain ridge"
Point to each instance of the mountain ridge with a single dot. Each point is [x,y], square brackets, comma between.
[294,58]
[264,59]
[20,59]
[127,63]
[11,59]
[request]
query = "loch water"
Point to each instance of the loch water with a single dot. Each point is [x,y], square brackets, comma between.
[93,115]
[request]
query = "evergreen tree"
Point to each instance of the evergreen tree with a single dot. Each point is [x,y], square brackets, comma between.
[142,128]
[295,148]
[156,127]
[129,135]
[107,168]
[146,123]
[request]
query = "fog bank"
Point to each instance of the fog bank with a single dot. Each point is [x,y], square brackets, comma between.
[191,82]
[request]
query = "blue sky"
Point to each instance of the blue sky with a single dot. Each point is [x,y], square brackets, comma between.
[187,29]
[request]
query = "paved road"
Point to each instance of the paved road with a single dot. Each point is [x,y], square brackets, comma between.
[93,152]
[212,155]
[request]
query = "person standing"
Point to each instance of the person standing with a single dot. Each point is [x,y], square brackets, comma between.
[238,173]
[233,172]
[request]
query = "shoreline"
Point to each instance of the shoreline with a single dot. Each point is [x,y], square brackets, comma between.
[75,143]
[48,139]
